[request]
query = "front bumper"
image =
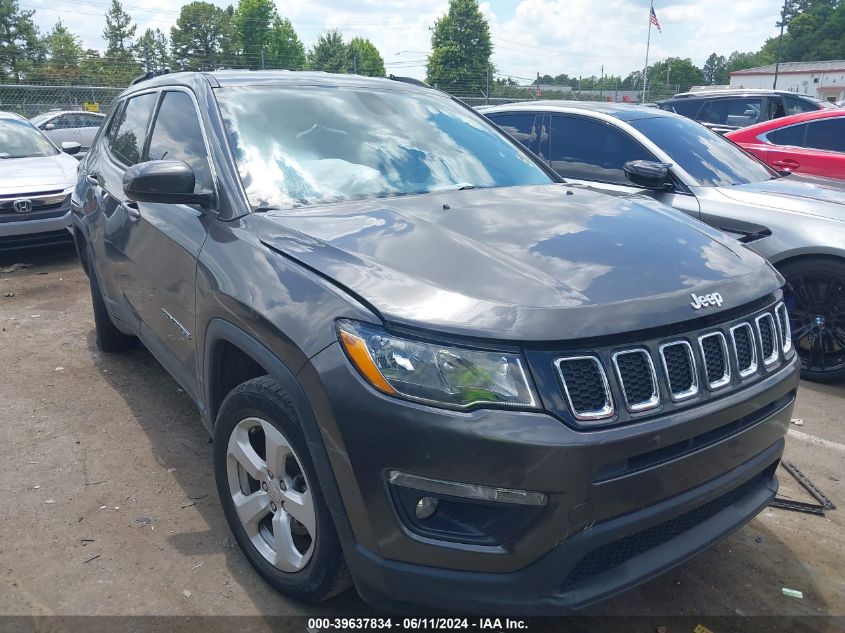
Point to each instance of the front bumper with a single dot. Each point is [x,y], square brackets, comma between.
[596,536]
[35,232]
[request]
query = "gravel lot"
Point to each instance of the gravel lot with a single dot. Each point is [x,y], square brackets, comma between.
[109,505]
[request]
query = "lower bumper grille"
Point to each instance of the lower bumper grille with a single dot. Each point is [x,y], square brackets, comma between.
[613,554]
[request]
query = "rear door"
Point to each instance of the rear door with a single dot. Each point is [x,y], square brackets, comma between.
[163,241]
[814,147]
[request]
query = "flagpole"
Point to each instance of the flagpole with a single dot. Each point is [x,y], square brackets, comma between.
[647,46]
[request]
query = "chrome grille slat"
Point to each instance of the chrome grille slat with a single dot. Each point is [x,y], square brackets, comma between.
[784,329]
[685,385]
[768,338]
[584,384]
[742,336]
[714,352]
[637,378]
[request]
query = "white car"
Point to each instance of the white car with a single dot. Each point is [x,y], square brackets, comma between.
[62,126]
[36,180]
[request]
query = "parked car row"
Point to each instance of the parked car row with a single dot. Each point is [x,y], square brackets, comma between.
[461,369]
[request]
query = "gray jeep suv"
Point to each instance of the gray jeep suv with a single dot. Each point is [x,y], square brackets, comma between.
[429,367]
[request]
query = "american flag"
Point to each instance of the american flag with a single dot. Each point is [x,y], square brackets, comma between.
[654,20]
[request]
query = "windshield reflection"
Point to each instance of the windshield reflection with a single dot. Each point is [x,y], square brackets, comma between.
[308,145]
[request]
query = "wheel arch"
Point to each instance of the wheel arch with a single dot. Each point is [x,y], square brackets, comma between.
[220,331]
[789,257]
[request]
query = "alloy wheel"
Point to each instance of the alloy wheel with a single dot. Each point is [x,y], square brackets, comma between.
[271,494]
[816,304]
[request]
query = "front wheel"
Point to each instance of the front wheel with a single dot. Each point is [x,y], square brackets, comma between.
[270,495]
[815,298]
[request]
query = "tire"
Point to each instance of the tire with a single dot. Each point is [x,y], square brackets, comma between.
[301,559]
[109,338]
[815,299]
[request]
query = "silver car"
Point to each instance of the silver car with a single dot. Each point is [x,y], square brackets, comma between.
[72,126]
[797,222]
[36,180]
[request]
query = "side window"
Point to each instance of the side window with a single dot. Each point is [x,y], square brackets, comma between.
[520,126]
[828,134]
[177,135]
[89,120]
[592,150]
[64,121]
[795,105]
[685,107]
[129,128]
[738,112]
[792,135]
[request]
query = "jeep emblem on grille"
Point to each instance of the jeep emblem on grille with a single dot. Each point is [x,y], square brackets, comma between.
[22,205]
[705,301]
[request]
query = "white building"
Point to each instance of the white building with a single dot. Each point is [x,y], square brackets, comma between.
[824,80]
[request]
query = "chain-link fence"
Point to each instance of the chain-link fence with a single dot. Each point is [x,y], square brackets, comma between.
[29,100]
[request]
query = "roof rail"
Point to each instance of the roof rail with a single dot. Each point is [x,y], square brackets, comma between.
[410,80]
[149,75]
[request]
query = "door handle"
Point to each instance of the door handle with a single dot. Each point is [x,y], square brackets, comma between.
[93,179]
[132,211]
[786,163]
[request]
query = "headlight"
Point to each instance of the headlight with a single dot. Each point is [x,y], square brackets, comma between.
[437,374]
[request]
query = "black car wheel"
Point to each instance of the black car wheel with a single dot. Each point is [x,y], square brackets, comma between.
[270,494]
[815,298]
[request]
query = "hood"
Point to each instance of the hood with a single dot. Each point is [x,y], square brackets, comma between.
[39,173]
[811,195]
[546,262]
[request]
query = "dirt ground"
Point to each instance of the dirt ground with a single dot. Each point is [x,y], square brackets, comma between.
[109,508]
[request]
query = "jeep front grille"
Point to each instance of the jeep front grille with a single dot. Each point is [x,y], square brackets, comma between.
[586,387]
[661,374]
[679,365]
[637,378]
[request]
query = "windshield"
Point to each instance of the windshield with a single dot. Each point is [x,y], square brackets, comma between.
[19,139]
[705,155]
[309,145]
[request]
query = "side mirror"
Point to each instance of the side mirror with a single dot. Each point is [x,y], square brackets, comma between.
[648,174]
[71,147]
[49,126]
[167,181]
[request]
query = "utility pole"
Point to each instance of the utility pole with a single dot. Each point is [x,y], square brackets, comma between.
[780,40]
[601,84]
[262,58]
[668,65]
[146,57]
[616,91]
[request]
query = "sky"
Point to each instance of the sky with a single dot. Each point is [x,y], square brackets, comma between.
[576,37]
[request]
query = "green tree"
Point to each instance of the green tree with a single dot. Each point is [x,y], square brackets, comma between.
[682,74]
[119,29]
[201,39]
[329,53]
[285,49]
[20,47]
[253,21]
[460,50]
[152,50]
[365,58]
[715,70]
[63,55]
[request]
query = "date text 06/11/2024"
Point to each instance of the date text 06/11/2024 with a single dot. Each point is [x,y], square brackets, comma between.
[418,623]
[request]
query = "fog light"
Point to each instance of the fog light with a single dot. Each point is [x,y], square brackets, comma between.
[426,506]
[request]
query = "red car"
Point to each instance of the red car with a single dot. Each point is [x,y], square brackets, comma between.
[809,143]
